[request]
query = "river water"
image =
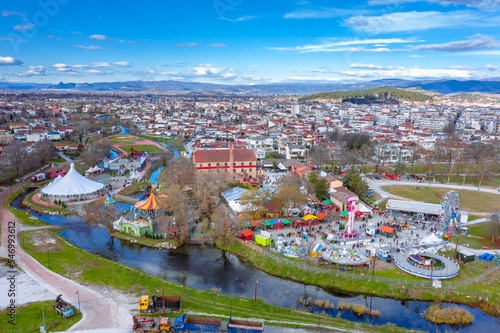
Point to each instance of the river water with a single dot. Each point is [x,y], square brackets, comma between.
[208,267]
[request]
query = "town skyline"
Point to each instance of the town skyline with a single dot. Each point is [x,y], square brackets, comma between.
[241,42]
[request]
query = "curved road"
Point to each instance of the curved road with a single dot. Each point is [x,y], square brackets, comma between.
[98,312]
[377,185]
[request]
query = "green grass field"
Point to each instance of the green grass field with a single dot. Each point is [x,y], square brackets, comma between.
[469,200]
[140,148]
[29,318]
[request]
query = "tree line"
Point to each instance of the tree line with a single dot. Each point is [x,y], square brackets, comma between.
[371,96]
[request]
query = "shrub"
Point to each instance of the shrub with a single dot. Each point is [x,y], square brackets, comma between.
[452,315]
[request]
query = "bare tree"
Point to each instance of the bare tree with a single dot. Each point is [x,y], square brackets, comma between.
[224,226]
[178,205]
[101,215]
[180,171]
[45,149]
[207,192]
[495,225]
[255,201]
[17,155]
[290,197]
[451,151]
[92,154]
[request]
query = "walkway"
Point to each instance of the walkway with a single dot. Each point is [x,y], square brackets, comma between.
[98,311]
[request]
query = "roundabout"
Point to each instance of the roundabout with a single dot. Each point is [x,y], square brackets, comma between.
[427,265]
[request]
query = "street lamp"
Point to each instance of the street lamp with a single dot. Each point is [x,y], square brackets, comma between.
[78,294]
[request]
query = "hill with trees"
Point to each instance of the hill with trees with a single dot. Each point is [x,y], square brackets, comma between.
[372,96]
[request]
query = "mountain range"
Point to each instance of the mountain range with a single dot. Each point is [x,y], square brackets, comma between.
[178,87]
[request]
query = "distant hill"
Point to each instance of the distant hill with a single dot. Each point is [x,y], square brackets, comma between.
[173,87]
[372,96]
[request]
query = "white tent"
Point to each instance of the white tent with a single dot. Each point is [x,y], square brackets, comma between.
[430,239]
[73,187]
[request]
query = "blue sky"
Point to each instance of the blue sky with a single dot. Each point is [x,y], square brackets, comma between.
[248,41]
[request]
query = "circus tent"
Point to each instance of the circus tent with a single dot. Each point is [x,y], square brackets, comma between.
[151,203]
[72,187]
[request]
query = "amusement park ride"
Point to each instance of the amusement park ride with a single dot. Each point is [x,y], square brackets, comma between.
[450,209]
[350,232]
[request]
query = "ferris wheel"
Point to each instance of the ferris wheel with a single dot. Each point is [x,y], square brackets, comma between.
[450,207]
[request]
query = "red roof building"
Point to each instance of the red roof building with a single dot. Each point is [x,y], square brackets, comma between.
[230,161]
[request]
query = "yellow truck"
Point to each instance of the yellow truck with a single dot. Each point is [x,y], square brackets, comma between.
[154,303]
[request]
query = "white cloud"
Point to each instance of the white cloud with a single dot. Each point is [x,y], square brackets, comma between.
[9,61]
[415,73]
[483,53]
[206,70]
[121,63]
[239,19]
[475,42]
[8,13]
[340,46]
[218,45]
[481,4]
[33,71]
[24,26]
[418,21]
[371,66]
[187,45]
[91,47]
[100,37]
[320,13]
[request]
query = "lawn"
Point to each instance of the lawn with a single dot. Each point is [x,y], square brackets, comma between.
[174,143]
[57,160]
[469,200]
[29,318]
[140,148]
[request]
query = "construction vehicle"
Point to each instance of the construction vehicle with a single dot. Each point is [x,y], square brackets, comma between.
[185,323]
[154,303]
[241,325]
[65,309]
[146,324]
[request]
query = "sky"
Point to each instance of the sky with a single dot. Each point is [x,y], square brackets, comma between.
[248,41]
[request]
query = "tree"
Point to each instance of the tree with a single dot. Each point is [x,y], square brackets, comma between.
[45,149]
[451,151]
[495,225]
[321,189]
[224,225]
[178,205]
[353,181]
[399,168]
[17,156]
[207,192]
[290,197]
[319,155]
[255,201]
[99,214]
[180,171]
[91,155]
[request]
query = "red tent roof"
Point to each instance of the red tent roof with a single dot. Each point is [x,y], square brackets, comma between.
[246,233]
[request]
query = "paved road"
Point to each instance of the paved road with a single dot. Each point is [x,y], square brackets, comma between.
[98,312]
[377,185]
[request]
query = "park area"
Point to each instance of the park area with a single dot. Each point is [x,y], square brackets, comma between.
[125,143]
[469,200]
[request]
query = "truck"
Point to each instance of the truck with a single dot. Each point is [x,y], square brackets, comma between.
[186,323]
[146,324]
[151,304]
[240,325]
[39,177]
[63,308]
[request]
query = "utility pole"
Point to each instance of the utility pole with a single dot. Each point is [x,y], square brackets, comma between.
[374,260]
[78,294]
[255,296]
[163,296]
[432,268]
[456,248]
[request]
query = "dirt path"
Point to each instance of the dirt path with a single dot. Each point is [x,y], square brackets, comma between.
[98,311]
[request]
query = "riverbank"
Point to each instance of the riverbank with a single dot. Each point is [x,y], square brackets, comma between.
[482,294]
[29,203]
[23,217]
[165,244]
[74,263]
